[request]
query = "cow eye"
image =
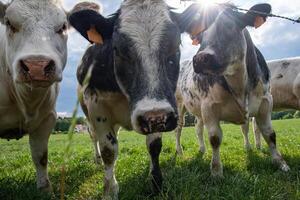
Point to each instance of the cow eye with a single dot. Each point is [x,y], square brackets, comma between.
[10,26]
[62,30]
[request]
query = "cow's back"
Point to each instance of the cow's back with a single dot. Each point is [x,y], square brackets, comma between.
[285,83]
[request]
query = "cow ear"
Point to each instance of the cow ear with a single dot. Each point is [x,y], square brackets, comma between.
[87,20]
[190,19]
[255,17]
[194,19]
[2,11]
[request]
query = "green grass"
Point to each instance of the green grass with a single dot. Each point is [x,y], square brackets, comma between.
[248,175]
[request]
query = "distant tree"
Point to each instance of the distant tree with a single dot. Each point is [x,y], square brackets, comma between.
[81,120]
[283,115]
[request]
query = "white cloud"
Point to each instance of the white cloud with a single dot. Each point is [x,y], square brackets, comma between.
[63,114]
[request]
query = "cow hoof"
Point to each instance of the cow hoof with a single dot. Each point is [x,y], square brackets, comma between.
[284,167]
[202,150]
[179,151]
[248,147]
[157,181]
[217,171]
[111,190]
[46,188]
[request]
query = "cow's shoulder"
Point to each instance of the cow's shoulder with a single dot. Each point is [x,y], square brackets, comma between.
[100,58]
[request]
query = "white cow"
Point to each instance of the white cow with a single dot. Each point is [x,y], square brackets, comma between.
[33,54]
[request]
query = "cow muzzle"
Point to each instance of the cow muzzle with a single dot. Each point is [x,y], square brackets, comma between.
[157,121]
[37,69]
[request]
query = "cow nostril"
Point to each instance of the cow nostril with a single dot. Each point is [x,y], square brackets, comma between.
[50,67]
[205,60]
[24,66]
[143,124]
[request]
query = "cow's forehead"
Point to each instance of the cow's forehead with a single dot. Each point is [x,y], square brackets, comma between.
[144,22]
[21,10]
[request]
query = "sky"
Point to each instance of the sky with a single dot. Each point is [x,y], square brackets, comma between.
[276,39]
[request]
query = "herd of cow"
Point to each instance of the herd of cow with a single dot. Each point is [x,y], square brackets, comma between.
[136,80]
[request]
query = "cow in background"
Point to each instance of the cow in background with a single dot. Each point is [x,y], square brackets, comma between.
[285,90]
[228,80]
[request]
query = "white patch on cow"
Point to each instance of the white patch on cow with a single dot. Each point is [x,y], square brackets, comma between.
[144,21]
[146,105]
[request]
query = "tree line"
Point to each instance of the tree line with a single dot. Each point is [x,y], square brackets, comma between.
[63,124]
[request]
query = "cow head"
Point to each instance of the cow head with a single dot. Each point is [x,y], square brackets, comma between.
[35,41]
[223,44]
[145,36]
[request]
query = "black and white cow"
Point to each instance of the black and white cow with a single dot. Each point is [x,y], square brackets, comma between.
[228,80]
[33,54]
[134,76]
[285,90]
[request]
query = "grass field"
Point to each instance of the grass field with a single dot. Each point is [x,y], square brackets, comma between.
[248,175]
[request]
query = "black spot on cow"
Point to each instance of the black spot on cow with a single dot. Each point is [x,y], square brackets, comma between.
[285,64]
[99,119]
[191,94]
[11,134]
[215,141]
[111,138]
[44,159]
[108,155]
[279,76]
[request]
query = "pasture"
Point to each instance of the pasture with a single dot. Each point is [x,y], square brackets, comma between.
[248,175]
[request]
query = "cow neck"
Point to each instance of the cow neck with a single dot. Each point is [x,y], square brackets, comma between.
[237,85]
[30,101]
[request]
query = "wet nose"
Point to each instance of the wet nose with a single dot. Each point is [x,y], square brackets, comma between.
[204,61]
[157,121]
[39,68]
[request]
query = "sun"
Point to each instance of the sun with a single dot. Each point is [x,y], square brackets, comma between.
[184,3]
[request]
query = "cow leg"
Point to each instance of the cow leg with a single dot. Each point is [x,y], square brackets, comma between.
[108,144]
[200,134]
[154,145]
[245,131]
[97,156]
[265,126]
[215,138]
[38,141]
[181,112]
[257,134]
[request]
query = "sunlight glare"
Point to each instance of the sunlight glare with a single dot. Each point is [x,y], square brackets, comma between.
[208,3]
